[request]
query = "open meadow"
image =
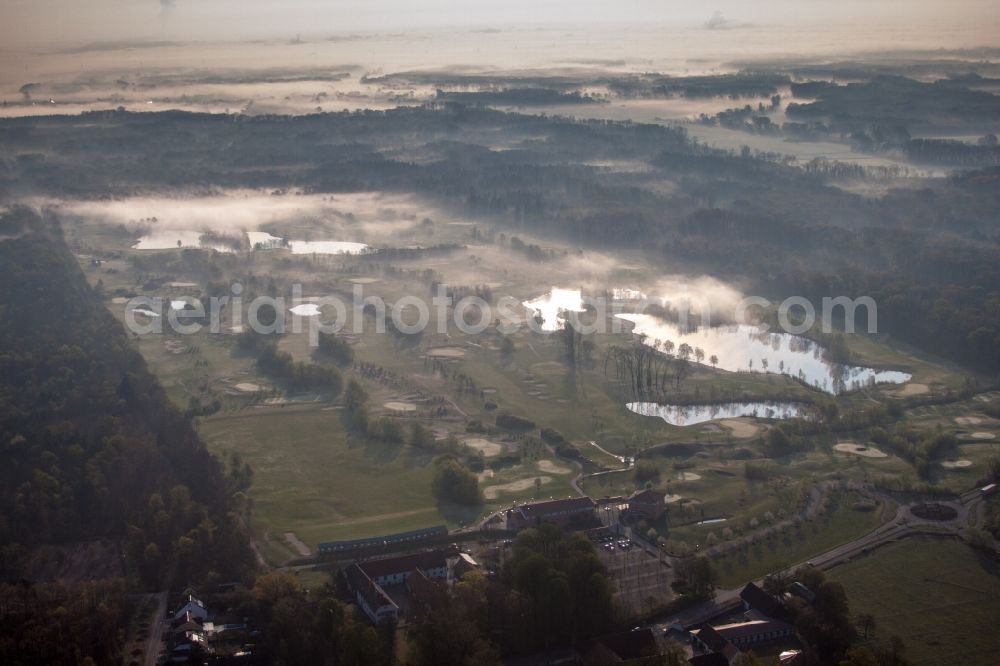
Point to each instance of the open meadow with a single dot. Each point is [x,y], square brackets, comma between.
[922,589]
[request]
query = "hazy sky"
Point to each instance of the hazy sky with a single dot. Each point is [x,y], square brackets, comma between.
[38,22]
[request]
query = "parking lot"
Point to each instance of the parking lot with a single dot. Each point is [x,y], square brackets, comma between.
[640,581]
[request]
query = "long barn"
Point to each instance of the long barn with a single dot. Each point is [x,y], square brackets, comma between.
[353,545]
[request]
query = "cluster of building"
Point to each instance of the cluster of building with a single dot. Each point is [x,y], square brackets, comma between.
[197,634]
[390,589]
[581,512]
[765,620]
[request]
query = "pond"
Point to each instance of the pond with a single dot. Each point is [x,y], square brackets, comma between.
[326,247]
[166,239]
[685,415]
[748,348]
[551,306]
[265,240]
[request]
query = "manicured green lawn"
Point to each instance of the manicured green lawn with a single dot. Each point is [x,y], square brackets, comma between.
[940,596]
[308,479]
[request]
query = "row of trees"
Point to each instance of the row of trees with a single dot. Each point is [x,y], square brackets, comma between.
[645,371]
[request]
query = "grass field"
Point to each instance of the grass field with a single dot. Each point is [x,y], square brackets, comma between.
[941,597]
[840,524]
[309,479]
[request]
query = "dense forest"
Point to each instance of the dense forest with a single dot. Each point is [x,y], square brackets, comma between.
[91,448]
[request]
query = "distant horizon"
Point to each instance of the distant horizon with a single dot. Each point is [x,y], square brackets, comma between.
[29,25]
[691,48]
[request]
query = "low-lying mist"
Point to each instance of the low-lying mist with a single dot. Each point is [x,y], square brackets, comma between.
[371,217]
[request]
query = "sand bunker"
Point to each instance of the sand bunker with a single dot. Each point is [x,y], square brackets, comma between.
[968,420]
[670,499]
[491,492]
[982,435]
[741,429]
[956,464]
[858,450]
[552,467]
[446,352]
[489,449]
[688,476]
[395,406]
[174,346]
[247,387]
[913,389]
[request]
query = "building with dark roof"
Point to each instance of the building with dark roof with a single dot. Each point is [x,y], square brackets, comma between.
[559,512]
[708,639]
[191,606]
[646,504]
[463,565]
[757,599]
[393,570]
[424,594]
[634,647]
[369,596]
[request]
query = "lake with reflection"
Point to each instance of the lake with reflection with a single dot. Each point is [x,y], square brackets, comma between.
[685,415]
[326,247]
[551,306]
[745,347]
[167,239]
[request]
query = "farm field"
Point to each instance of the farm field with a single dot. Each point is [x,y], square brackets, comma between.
[922,589]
